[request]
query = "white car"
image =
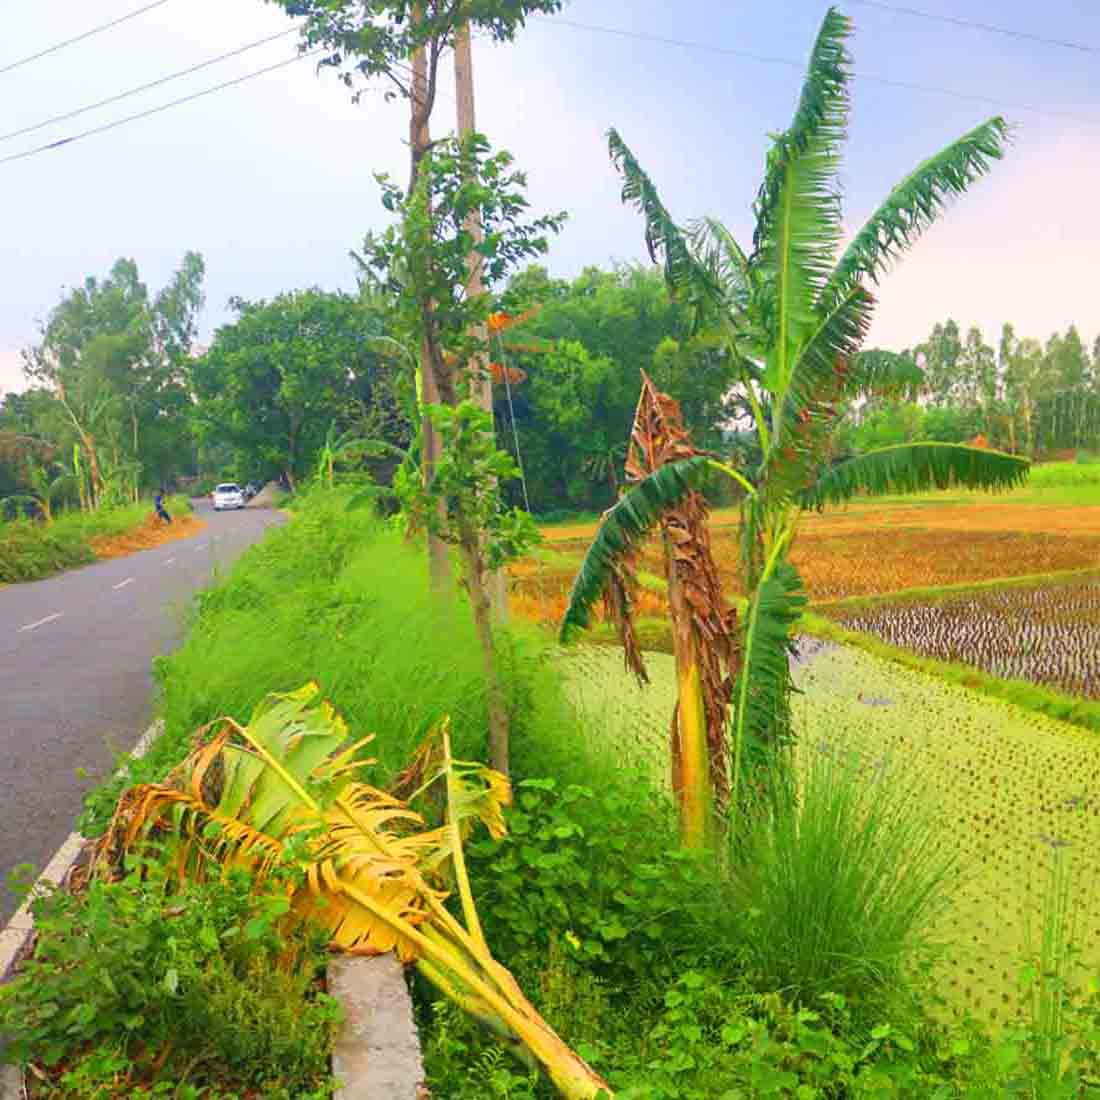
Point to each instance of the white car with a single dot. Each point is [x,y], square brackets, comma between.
[228,496]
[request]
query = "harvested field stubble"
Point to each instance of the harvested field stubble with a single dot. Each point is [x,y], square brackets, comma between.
[1048,634]
[838,563]
[150,534]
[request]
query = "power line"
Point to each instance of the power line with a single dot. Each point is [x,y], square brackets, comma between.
[729,51]
[157,110]
[145,87]
[992,28]
[80,37]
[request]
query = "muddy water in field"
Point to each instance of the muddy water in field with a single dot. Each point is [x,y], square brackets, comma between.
[1048,635]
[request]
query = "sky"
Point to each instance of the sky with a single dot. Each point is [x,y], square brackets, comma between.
[273,180]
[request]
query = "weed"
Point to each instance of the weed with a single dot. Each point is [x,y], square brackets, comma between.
[139,983]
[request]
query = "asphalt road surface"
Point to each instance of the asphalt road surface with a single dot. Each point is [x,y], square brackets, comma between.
[75,683]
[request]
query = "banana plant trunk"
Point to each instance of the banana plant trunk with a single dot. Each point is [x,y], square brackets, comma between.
[690,755]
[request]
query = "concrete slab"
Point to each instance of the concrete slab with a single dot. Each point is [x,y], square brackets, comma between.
[378,1051]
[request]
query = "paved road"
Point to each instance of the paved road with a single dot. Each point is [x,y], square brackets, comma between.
[75,682]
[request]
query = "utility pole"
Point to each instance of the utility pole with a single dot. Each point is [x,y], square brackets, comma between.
[481,384]
[439,561]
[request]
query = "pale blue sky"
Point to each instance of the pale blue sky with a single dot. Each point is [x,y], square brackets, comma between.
[272,181]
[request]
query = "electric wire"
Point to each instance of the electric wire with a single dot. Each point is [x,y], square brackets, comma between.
[80,37]
[766,59]
[156,110]
[512,417]
[991,28]
[146,87]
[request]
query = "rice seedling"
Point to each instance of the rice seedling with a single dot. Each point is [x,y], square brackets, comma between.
[1047,634]
[1005,789]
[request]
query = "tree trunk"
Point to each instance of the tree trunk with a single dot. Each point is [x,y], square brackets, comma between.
[480,603]
[88,443]
[481,384]
[439,563]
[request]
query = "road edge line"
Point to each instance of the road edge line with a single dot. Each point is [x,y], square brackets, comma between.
[17,933]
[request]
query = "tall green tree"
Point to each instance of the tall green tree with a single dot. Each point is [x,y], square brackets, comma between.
[423,260]
[286,371]
[115,358]
[583,353]
[792,311]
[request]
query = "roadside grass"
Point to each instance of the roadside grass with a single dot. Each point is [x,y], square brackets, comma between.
[639,953]
[31,550]
[339,597]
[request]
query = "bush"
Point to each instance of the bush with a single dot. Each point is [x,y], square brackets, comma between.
[839,878]
[207,983]
[31,550]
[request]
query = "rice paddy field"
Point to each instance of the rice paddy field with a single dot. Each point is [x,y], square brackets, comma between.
[1009,791]
[1009,585]
[1046,634]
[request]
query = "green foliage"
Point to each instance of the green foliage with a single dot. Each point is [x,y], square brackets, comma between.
[575,869]
[287,370]
[30,550]
[624,527]
[839,878]
[760,715]
[112,364]
[915,468]
[423,258]
[145,984]
[378,37]
[466,481]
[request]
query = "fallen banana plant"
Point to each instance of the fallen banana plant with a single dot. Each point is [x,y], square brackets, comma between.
[282,789]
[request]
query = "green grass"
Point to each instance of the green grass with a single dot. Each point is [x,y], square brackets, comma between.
[842,872]
[30,549]
[341,598]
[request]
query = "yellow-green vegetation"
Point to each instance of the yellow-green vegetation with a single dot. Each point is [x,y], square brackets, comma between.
[31,549]
[1035,697]
[1008,790]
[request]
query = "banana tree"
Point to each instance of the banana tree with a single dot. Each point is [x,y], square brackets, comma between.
[44,485]
[791,312]
[282,790]
[337,448]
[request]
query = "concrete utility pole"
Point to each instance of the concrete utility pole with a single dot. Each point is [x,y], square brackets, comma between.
[439,561]
[482,384]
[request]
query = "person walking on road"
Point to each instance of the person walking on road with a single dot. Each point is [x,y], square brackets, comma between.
[158,503]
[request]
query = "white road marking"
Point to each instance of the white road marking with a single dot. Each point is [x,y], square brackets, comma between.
[168,562]
[123,584]
[41,622]
[201,546]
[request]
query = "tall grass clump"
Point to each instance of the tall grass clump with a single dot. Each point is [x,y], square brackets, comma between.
[839,872]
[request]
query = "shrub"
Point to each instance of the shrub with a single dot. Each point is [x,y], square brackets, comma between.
[839,876]
[206,983]
[30,549]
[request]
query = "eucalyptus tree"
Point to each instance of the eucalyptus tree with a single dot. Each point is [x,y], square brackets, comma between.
[791,311]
